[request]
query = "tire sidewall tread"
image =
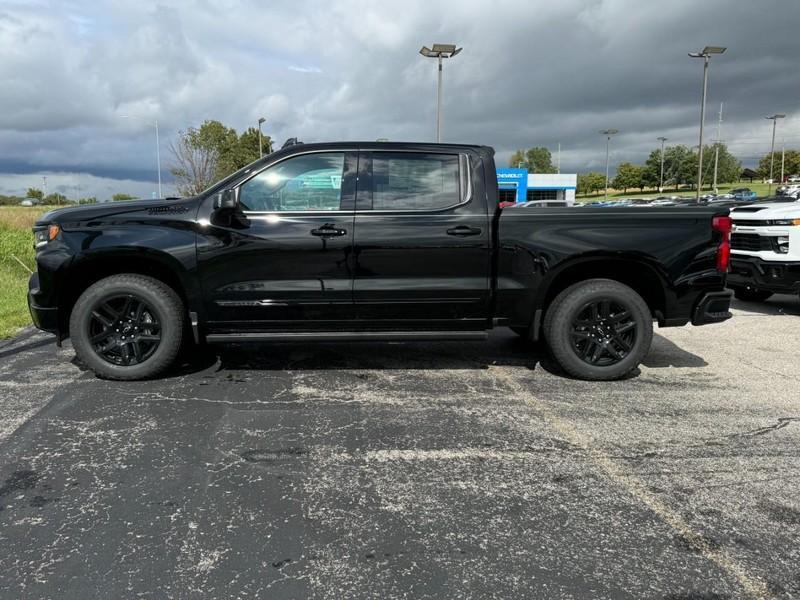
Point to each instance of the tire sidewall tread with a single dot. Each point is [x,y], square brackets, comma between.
[558,320]
[159,296]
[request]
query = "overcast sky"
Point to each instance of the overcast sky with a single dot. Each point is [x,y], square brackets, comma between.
[532,73]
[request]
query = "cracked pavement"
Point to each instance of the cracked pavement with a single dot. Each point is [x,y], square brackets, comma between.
[408,470]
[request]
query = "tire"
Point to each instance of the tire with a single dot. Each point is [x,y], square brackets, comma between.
[748,294]
[127,327]
[622,338]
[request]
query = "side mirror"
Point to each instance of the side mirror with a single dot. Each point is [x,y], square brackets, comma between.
[226,199]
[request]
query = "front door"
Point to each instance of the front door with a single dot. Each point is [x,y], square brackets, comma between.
[422,242]
[283,260]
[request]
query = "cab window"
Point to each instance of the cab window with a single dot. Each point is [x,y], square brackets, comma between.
[308,182]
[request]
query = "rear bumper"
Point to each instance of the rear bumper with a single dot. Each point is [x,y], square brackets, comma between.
[44,317]
[713,307]
[772,276]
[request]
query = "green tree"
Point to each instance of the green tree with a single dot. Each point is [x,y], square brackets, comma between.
[729,168]
[588,183]
[89,200]
[791,165]
[35,193]
[55,198]
[628,176]
[680,167]
[122,197]
[536,160]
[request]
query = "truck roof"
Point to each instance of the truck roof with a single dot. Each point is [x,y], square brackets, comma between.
[422,146]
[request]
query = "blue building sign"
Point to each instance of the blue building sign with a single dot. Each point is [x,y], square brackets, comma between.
[514,179]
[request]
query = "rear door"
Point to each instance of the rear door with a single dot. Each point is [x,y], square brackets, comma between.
[422,241]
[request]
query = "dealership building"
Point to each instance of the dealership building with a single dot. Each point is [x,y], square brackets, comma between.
[517,185]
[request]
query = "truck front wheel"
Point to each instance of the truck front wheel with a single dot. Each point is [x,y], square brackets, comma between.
[127,327]
[599,329]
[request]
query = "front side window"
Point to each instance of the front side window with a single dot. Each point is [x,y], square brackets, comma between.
[406,181]
[309,182]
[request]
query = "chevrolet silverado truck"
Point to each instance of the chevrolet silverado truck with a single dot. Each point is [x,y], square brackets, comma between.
[372,241]
[765,251]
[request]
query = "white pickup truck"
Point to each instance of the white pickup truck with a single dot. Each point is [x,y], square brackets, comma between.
[765,250]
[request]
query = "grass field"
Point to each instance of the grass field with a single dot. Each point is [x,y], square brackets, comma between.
[758,187]
[15,241]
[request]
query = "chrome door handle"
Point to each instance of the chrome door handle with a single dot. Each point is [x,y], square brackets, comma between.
[328,231]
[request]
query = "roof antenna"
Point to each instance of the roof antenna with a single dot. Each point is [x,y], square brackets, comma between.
[290,142]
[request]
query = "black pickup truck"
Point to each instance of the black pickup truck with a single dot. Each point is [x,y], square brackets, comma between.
[372,241]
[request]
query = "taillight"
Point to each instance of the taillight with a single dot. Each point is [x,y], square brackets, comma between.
[724,226]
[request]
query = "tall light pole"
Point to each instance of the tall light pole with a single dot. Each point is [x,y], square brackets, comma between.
[439,52]
[717,142]
[661,178]
[608,133]
[774,119]
[706,56]
[260,149]
[158,147]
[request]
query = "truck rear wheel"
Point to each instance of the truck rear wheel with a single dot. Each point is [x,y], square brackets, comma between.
[127,327]
[748,294]
[598,330]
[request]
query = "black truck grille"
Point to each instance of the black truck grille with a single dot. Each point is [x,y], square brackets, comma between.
[751,242]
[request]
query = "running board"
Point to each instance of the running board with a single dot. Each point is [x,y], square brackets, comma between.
[346,336]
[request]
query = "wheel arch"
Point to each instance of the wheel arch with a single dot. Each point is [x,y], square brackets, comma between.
[635,272]
[91,268]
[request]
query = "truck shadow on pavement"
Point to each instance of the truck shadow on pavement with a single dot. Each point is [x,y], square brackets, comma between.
[501,349]
[779,304]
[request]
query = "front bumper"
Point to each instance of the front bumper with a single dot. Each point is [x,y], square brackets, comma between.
[44,317]
[771,276]
[713,307]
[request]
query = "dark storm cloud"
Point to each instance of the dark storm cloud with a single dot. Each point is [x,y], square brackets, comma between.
[532,73]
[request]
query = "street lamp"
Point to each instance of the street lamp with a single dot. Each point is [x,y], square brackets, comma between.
[706,56]
[774,119]
[158,147]
[661,179]
[608,133]
[260,149]
[439,52]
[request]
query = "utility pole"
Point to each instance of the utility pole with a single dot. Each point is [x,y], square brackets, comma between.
[44,185]
[717,142]
[774,118]
[783,156]
[558,160]
[260,149]
[608,133]
[661,179]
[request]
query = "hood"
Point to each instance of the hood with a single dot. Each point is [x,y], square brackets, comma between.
[82,212]
[767,212]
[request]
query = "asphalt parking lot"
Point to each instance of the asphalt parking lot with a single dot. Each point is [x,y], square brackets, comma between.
[433,470]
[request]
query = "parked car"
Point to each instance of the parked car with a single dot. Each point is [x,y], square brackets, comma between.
[788,190]
[371,241]
[765,250]
[30,202]
[542,204]
[743,194]
[793,179]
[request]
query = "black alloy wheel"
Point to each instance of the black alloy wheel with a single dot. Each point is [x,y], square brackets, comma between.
[603,332]
[124,330]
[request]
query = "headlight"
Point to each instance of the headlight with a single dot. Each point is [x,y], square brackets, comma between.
[785,222]
[783,244]
[45,234]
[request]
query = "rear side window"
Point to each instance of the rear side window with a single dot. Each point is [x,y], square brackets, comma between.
[408,181]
